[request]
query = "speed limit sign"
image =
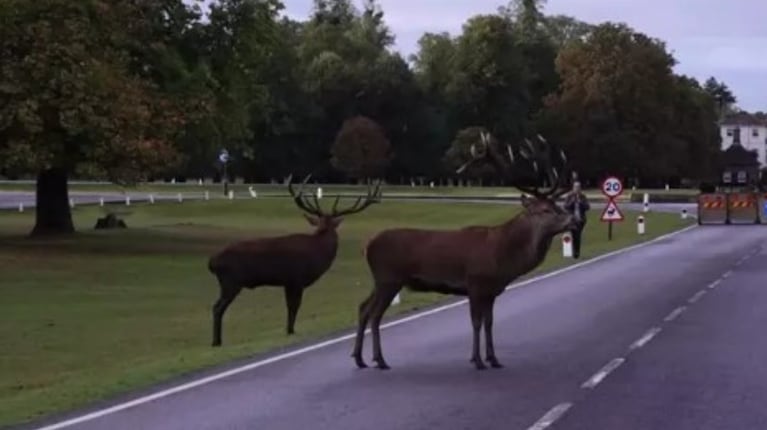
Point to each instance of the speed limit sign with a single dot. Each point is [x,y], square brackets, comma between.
[612,187]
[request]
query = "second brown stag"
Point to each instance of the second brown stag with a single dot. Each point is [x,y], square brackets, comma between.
[293,262]
[474,261]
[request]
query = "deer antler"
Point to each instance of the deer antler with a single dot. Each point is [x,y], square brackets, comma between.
[538,158]
[313,206]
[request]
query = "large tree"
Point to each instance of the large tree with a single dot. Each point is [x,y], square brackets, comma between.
[68,101]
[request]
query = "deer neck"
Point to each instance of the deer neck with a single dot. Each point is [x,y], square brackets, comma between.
[524,244]
[327,243]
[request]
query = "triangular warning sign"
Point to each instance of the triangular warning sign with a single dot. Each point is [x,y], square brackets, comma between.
[611,212]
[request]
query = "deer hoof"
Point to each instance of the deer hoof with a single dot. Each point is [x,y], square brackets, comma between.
[478,364]
[216,344]
[360,363]
[381,364]
[494,363]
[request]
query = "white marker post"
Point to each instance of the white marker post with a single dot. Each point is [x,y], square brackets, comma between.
[567,245]
[71,203]
[253,192]
[231,195]
[21,207]
[207,195]
[180,198]
[396,300]
[101,201]
[151,198]
[127,200]
[640,225]
[646,202]
[319,192]
[684,213]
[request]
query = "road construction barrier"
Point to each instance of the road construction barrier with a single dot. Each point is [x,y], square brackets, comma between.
[712,208]
[742,208]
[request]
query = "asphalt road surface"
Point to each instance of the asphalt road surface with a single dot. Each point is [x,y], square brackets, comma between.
[664,336]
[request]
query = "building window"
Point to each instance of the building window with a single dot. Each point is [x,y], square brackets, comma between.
[755,132]
[729,132]
[736,137]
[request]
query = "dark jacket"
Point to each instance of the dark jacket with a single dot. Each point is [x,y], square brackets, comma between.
[583,205]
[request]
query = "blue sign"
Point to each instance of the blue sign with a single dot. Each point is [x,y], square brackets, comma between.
[765,209]
[223,156]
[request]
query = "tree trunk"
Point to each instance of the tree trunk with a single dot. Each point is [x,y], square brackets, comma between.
[53,215]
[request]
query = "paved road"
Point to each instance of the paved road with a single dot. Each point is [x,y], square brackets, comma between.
[705,369]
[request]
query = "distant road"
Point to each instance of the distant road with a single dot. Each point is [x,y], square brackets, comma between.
[11,200]
[666,336]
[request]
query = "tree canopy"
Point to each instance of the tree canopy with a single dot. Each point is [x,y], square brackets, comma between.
[84,95]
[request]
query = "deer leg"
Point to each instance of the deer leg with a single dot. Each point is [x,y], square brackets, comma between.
[227,295]
[489,346]
[475,309]
[362,322]
[384,295]
[293,297]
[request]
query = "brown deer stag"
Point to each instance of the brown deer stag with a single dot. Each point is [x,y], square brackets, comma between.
[293,262]
[474,261]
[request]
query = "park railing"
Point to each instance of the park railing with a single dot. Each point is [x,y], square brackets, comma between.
[732,208]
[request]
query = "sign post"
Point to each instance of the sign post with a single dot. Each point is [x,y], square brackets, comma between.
[223,157]
[612,187]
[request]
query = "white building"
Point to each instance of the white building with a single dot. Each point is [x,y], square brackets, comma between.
[748,130]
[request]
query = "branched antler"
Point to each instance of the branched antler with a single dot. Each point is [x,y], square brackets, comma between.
[313,207]
[539,156]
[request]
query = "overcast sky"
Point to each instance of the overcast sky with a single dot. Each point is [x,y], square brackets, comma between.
[725,39]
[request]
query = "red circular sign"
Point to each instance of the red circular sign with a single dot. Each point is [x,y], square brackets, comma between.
[566,239]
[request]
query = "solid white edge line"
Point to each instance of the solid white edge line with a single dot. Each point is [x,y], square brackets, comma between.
[647,337]
[714,284]
[697,296]
[551,416]
[675,313]
[206,380]
[603,372]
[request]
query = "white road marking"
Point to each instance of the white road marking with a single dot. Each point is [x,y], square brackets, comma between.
[237,370]
[726,274]
[714,284]
[647,337]
[697,296]
[551,416]
[675,313]
[603,372]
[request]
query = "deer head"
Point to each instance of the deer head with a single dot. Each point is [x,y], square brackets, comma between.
[541,207]
[322,220]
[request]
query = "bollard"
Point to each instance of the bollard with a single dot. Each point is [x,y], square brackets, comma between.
[207,195]
[667,187]
[319,192]
[127,200]
[180,198]
[396,300]
[199,182]
[640,225]
[71,203]
[231,195]
[567,245]
[253,192]
[21,207]
[151,198]
[646,202]
[101,201]
[431,184]
[684,213]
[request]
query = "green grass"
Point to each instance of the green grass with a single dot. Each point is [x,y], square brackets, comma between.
[101,313]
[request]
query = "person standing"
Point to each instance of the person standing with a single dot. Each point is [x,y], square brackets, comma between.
[577,204]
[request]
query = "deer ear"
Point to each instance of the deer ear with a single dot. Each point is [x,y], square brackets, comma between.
[312,219]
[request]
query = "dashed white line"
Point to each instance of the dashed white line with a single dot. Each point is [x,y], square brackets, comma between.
[551,416]
[726,274]
[675,313]
[714,284]
[697,296]
[603,372]
[647,337]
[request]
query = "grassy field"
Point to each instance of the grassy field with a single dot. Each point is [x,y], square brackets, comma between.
[101,313]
